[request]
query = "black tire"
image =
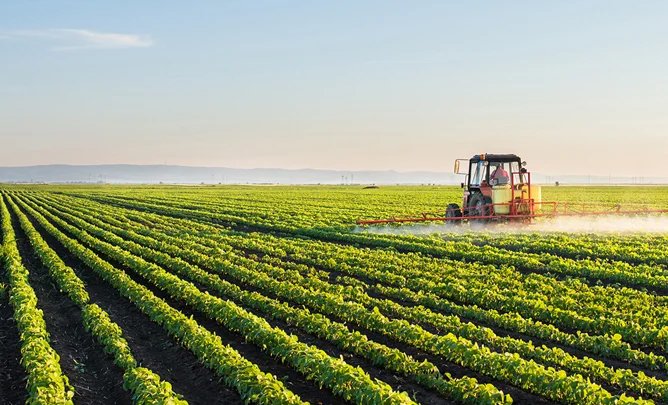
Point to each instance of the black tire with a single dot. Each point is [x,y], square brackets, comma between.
[480,206]
[453,211]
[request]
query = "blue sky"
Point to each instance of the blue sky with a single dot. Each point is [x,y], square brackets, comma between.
[575,87]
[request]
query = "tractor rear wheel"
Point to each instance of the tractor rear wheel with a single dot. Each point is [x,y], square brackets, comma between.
[453,211]
[480,206]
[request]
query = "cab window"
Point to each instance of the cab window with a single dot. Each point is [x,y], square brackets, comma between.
[499,173]
[478,173]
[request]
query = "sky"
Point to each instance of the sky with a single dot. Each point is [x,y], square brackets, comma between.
[574,87]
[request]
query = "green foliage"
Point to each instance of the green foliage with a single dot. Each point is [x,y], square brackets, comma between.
[252,384]
[46,382]
[144,384]
[475,300]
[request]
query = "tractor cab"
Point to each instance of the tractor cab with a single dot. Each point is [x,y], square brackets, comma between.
[486,171]
[494,184]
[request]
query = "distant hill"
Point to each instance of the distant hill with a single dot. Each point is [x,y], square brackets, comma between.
[154,174]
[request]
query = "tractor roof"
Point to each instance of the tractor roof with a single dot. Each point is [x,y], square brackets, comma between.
[495,158]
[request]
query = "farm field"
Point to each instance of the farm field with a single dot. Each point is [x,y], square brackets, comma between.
[272,295]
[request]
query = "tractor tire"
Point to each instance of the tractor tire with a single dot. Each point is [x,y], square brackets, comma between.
[480,206]
[453,211]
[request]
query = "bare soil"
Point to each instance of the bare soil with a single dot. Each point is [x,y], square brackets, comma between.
[151,345]
[94,376]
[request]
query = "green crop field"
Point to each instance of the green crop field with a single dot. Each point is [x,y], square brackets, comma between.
[272,295]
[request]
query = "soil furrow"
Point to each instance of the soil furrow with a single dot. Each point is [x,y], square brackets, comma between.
[94,376]
[151,345]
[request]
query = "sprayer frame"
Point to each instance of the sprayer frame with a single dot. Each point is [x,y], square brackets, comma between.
[520,209]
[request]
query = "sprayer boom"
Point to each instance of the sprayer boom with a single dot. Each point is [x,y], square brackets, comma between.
[547,209]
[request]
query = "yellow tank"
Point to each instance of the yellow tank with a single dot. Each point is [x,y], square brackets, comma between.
[501,195]
[536,196]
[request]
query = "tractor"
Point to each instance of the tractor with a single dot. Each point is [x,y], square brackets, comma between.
[495,186]
[498,188]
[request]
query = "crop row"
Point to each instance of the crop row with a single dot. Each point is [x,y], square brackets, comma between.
[543,255]
[252,384]
[618,248]
[498,257]
[322,256]
[46,382]
[529,375]
[646,326]
[145,385]
[465,390]
[351,383]
[563,307]
[552,356]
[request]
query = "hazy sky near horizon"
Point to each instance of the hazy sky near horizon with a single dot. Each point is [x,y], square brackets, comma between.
[576,87]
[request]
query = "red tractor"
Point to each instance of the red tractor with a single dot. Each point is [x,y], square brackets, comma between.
[497,187]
